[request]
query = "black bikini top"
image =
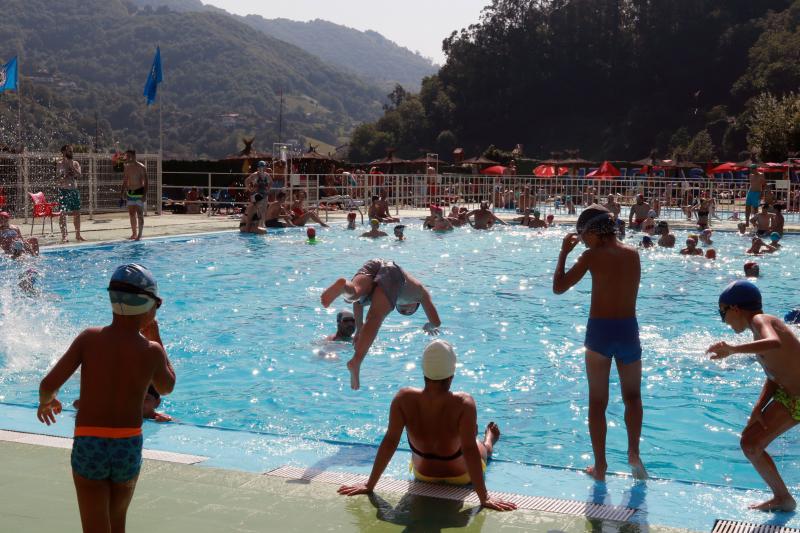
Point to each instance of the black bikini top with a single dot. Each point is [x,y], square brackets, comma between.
[433,456]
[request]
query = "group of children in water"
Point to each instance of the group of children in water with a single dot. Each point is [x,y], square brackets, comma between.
[121,361]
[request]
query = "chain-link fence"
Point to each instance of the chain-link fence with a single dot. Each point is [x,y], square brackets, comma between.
[99,185]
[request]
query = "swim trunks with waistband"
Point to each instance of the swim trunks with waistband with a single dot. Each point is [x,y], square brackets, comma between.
[387,275]
[107,453]
[136,197]
[614,337]
[753,198]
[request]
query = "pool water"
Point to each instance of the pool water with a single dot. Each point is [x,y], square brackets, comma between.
[244,328]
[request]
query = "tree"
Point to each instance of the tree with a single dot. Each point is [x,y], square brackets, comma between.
[701,148]
[774,126]
[445,144]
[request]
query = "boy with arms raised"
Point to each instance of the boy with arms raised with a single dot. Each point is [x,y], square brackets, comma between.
[778,407]
[117,365]
[612,330]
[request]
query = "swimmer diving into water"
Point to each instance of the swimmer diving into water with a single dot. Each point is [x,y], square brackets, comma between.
[384,286]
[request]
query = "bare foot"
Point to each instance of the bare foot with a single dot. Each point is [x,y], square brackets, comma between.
[161,417]
[331,293]
[637,467]
[490,437]
[597,472]
[132,238]
[785,504]
[79,238]
[139,238]
[354,367]
[64,241]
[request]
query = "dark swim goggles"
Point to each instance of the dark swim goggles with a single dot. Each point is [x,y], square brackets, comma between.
[119,286]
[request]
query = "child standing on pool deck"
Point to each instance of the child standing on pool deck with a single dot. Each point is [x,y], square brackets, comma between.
[117,365]
[778,407]
[612,330]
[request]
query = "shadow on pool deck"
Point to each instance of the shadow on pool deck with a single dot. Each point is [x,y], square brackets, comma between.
[36,495]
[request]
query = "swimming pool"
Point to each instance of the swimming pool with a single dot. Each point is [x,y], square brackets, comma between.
[243,326]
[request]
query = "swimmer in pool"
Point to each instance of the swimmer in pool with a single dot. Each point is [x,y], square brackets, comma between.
[440,223]
[758,247]
[398,232]
[351,220]
[665,239]
[691,246]
[383,286]
[775,238]
[442,425]
[751,269]
[484,219]
[345,327]
[612,330]
[705,237]
[711,254]
[375,231]
[777,409]
[742,227]
[117,365]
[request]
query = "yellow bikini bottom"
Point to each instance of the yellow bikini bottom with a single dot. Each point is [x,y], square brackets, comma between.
[463,479]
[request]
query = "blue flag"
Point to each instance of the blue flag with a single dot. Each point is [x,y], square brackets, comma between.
[154,78]
[8,76]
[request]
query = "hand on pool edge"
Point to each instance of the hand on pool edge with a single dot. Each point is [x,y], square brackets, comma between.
[498,505]
[354,490]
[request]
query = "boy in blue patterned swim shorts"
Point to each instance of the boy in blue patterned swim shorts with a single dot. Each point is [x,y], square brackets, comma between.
[117,365]
[778,407]
[612,330]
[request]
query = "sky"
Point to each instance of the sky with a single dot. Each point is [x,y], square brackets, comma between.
[419,25]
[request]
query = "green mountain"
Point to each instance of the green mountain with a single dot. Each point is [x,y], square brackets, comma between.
[368,54]
[84,64]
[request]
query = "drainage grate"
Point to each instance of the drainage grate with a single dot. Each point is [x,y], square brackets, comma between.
[728,526]
[450,492]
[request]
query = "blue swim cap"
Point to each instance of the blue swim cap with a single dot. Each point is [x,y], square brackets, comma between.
[647,239]
[792,317]
[742,294]
[133,290]
[775,236]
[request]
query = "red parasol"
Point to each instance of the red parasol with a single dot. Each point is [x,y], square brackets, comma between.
[606,171]
[549,171]
[726,167]
[496,170]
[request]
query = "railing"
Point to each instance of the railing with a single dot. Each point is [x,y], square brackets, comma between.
[561,195]
[100,186]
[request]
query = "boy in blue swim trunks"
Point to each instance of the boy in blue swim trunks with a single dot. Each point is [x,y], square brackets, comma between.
[612,330]
[753,199]
[777,409]
[117,365]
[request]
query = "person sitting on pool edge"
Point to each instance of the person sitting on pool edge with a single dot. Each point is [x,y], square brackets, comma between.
[442,425]
[777,409]
[345,327]
[384,286]
[612,330]
[117,365]
[375,231]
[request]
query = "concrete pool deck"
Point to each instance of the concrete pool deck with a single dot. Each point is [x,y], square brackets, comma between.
[37,495]
[109,227]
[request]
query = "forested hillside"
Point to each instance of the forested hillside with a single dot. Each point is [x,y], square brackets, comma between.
[81,59]
[367,54]
[613,78]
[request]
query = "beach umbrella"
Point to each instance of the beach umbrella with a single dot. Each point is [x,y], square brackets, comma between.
[606,171]
[549,171]
[727,167]
[479,161]
[496,170]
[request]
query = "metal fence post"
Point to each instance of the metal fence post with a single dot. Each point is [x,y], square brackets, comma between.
[92,185]
[25,182]
[159,184]
[208,209]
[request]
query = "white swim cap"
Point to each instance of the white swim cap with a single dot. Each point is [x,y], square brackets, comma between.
[438,360]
